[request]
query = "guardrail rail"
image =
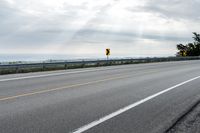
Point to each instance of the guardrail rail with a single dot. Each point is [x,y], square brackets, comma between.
[33,67]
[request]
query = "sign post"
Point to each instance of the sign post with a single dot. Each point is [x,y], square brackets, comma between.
[107,53]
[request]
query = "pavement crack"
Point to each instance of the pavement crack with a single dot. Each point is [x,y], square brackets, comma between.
[189,122]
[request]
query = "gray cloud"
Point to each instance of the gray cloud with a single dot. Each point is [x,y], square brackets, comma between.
[98,36]
[174,9]
[19,29]
[77,25]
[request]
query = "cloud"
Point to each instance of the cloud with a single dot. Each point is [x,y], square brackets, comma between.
[62,26]
[174,9]
[99,36]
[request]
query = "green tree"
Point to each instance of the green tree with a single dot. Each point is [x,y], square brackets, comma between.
[196,37]
[190,49]
[182,49]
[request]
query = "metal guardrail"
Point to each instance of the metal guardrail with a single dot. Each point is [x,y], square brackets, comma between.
[30,67]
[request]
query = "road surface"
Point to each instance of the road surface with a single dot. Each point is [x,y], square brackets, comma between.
[142,98]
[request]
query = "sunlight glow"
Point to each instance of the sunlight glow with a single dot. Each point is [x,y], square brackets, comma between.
[88,26]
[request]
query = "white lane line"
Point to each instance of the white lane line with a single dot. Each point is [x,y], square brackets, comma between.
[122,110]
[52,74]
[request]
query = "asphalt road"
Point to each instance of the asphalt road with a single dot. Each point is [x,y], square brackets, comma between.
[143,98]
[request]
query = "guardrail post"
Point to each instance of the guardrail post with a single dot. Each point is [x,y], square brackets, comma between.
[65,65]
[16,69]
[43,66]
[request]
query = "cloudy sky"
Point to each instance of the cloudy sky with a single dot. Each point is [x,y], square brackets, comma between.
[84,28]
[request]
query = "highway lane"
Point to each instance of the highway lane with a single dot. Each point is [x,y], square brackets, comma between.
[67,100]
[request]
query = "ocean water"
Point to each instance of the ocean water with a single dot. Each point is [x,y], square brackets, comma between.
[46,57]
[37,57]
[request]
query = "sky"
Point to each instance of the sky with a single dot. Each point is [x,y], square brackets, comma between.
[85,28]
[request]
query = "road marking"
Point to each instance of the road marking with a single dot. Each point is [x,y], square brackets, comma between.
[122,110]
[53,74]
[117,76]
[64,87]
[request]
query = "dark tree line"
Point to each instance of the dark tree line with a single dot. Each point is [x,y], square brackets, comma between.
[190,49]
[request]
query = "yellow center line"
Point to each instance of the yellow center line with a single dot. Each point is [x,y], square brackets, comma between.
[66,87]
[60,88]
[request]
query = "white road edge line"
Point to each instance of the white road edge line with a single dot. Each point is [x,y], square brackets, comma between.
[52,74]
[122,110]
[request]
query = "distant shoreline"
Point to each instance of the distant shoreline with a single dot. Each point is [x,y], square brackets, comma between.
[46,57]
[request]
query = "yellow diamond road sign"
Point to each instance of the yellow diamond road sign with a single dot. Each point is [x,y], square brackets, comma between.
[107,51]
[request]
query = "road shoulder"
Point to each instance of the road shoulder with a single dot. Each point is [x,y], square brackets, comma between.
[189,123]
